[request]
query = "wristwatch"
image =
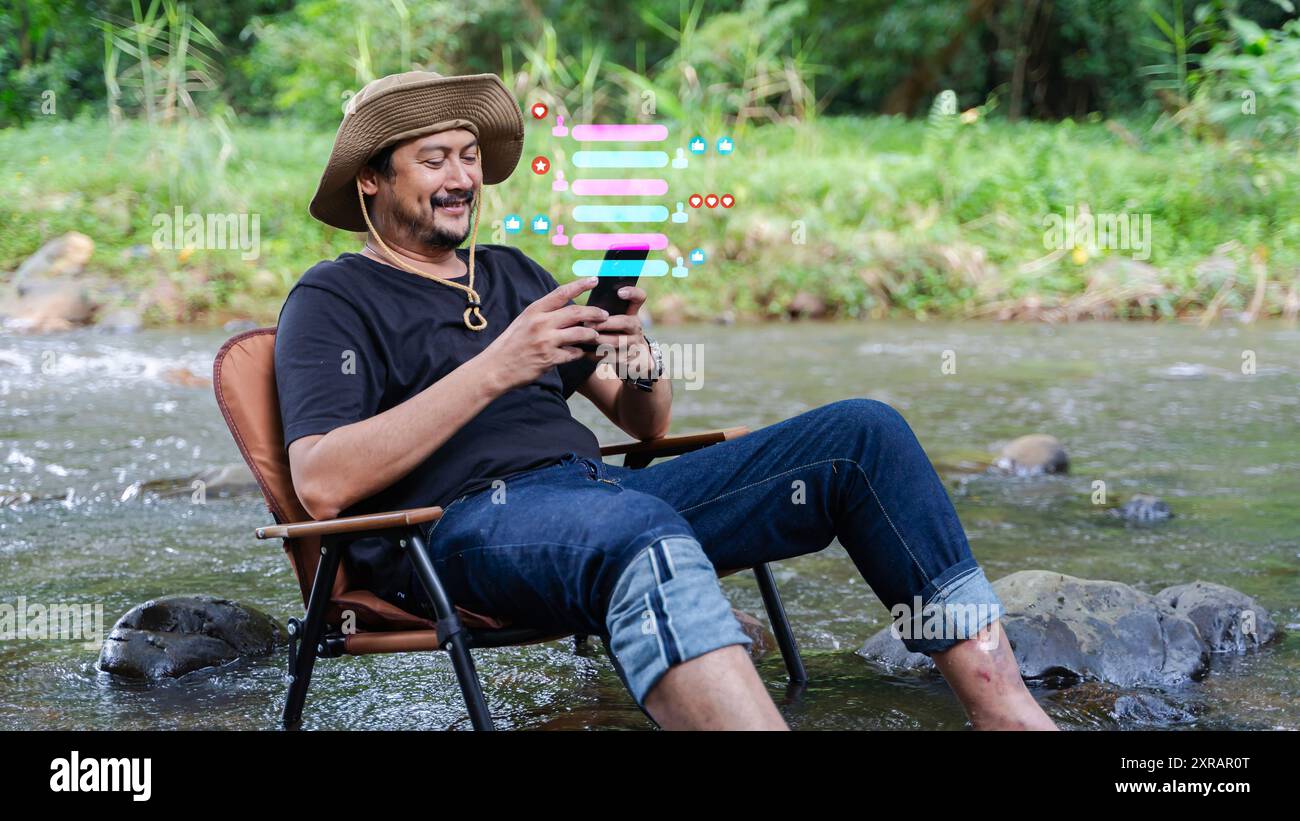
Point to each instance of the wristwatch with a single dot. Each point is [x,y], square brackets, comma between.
[647,383]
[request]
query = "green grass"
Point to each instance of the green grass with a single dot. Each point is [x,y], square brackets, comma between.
[900,218]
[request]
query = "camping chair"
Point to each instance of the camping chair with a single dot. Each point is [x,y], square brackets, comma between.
[244,382]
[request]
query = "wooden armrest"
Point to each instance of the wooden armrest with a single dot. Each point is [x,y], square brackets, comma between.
[675,445]
[350,524]
[662,446]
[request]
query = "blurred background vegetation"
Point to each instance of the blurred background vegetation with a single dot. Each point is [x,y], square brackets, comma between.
[893,157]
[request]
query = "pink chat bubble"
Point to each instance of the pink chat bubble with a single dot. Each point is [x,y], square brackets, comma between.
[603,242]
[630,132]
[619,188]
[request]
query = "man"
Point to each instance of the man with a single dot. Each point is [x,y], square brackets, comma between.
[415,373]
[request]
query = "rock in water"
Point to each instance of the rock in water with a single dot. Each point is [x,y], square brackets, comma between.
[59,258]
[234,479]
[1065,629]
[48,293]
[1143,508]
[1229,621]
[1080,629]
[885,649]
[174,635]
[1108,706]
[763,640]
[1033,455]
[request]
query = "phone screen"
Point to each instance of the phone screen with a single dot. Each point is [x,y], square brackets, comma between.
[621,267]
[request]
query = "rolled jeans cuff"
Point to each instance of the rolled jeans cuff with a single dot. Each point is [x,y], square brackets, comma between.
[667,607]
[954,606]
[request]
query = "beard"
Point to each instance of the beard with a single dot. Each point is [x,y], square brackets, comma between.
[426,230]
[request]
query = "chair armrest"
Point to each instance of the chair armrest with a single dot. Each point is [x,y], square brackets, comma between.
[350,524]
[675,445]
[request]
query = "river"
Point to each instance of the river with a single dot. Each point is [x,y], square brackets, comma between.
[87,419]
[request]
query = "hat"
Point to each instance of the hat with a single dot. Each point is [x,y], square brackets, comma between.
[412,104]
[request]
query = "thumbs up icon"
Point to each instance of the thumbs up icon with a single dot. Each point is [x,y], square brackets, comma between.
[512,224]
[541,224]
[697,145]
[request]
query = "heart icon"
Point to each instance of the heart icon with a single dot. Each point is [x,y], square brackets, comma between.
[711,200]
[695,200]
[728,200]
[539,110]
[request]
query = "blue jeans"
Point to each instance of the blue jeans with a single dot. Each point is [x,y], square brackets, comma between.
[632,555]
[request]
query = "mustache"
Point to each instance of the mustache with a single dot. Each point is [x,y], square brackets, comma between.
[443,202]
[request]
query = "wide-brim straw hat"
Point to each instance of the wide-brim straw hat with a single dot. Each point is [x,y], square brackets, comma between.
[413,104]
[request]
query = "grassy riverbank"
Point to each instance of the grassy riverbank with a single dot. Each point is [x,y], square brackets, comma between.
[847,217]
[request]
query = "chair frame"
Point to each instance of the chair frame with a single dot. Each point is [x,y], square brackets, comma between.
[314,637]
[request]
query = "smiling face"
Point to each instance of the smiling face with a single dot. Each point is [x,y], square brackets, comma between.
[421,194]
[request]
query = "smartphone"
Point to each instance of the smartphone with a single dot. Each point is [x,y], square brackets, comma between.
[621,267]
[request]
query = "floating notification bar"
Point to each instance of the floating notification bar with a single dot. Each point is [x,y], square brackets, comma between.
[620,213]
[632,132]
[619,188]
[619,267]
[604,242]
[620,159]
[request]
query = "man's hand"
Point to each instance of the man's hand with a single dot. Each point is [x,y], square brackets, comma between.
[622,339]
[543,336]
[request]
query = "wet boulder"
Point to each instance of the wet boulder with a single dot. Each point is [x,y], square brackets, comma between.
[58,259]
[170,636]
[1106,706]
[889,651]
[1064,629]
[1033,455]
[1228,620]
[56,306]
[1143,508]
[48,292]
[234,479]
[763,640]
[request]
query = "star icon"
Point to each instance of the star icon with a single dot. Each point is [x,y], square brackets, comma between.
[541,165]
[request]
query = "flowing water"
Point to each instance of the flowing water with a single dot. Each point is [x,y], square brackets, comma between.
[88,420]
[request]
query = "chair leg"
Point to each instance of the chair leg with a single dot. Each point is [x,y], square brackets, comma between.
[450,636]
[780,624]
[304,655]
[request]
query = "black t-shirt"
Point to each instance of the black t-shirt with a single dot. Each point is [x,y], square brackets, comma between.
[357,337]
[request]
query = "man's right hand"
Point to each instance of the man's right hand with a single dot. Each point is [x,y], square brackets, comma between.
[543,336]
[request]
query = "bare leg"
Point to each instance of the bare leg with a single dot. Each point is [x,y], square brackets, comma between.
[719,690]
[983,673]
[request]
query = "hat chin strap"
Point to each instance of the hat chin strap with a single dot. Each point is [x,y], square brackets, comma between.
[476,324]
